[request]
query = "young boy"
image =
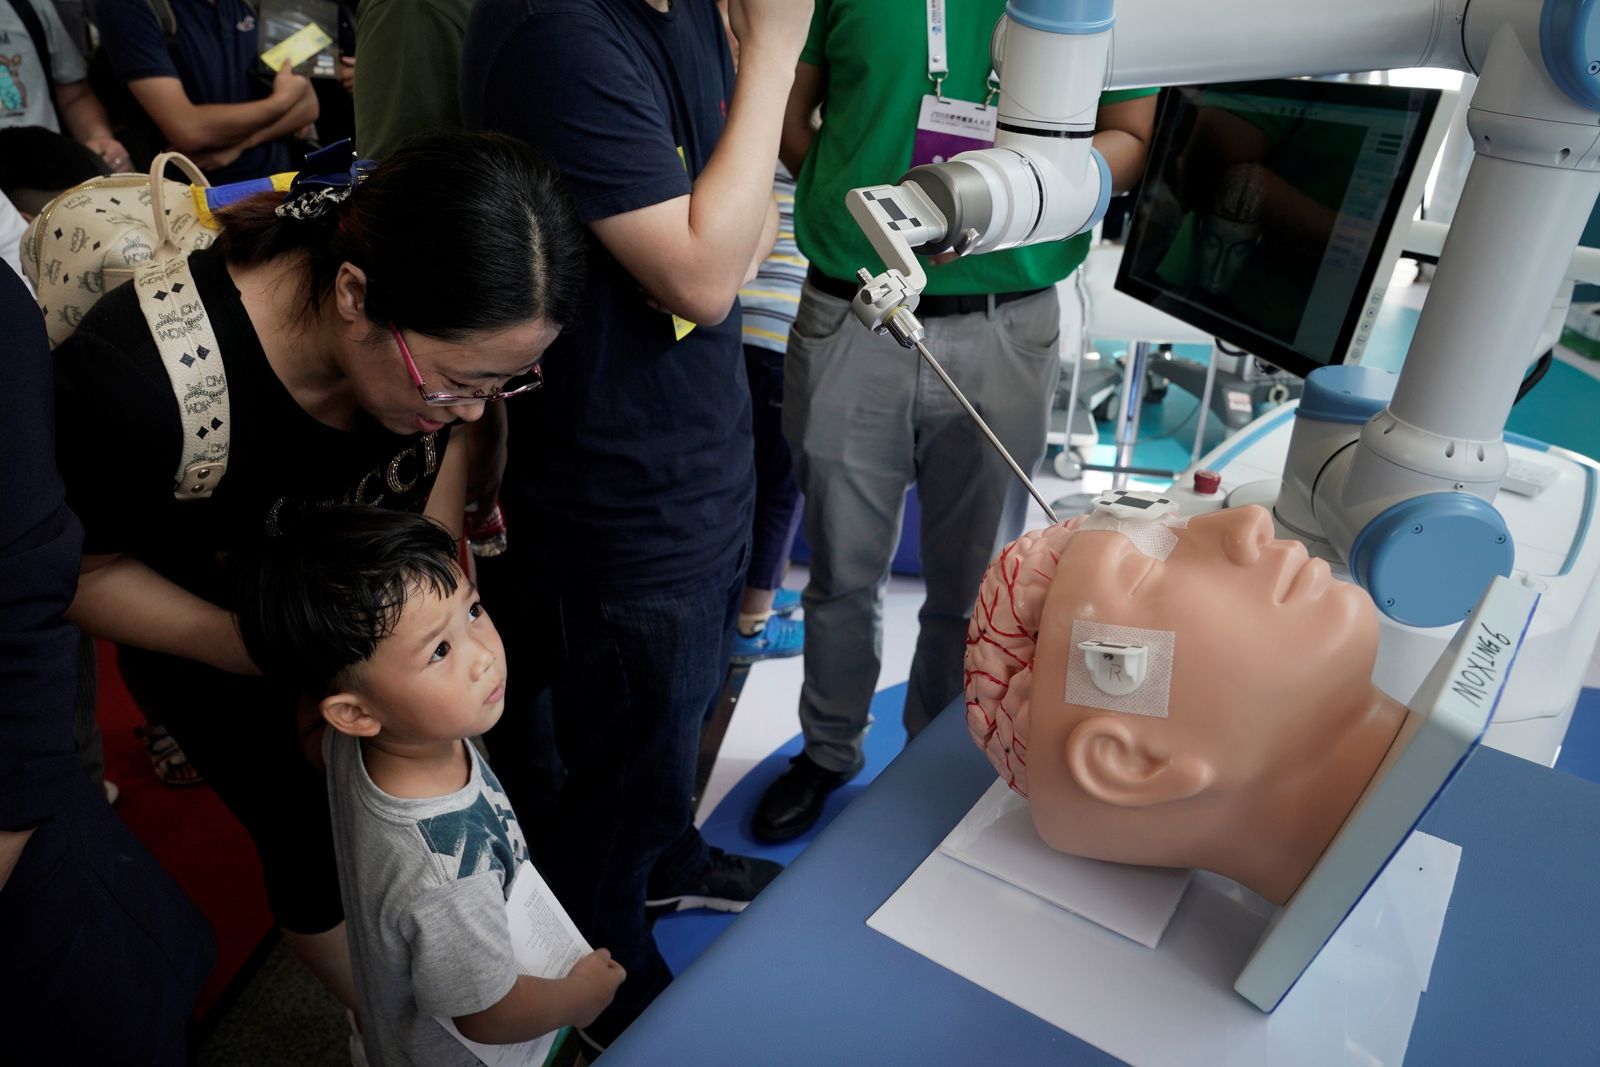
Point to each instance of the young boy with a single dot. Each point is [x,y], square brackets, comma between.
[367,610]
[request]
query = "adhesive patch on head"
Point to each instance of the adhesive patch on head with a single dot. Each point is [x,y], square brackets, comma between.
[1153,694]
[1147,519]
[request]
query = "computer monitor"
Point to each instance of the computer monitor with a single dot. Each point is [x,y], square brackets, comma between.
[1268,211]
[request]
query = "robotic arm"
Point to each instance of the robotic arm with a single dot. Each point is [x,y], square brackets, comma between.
[1435,451]
[1042,181]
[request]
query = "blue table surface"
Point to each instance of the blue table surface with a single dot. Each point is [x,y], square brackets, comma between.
[800,978]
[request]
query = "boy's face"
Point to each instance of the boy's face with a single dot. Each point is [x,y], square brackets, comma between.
[441,675]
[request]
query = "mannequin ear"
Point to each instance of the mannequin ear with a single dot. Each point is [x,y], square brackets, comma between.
[346,713]
[1116,764]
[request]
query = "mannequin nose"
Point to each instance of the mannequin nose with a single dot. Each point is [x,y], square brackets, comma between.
[1244,532]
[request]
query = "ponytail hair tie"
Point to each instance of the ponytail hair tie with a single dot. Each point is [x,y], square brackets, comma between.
[330,176]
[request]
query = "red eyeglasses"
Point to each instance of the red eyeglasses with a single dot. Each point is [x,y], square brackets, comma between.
[522,383]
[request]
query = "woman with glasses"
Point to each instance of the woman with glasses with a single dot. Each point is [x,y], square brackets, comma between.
[357,321]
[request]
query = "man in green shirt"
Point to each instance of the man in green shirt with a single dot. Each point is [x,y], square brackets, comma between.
[410,70]
[864,417]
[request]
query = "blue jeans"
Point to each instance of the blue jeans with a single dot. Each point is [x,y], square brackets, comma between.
[638,674]
[777,517]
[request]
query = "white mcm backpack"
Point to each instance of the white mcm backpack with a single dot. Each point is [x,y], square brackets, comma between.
[97,235]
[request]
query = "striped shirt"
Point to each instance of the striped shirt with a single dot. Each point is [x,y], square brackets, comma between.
[769,302]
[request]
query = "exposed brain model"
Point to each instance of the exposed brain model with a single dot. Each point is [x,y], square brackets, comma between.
[1000,648]
[1004,629]
[1175,693]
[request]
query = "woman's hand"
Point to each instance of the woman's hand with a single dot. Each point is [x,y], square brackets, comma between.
[122,599]
[110,149]
[233,656]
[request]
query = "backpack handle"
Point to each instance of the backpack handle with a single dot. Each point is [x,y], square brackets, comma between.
[158,192]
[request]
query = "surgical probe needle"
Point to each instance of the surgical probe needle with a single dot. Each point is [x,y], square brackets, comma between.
[993,440]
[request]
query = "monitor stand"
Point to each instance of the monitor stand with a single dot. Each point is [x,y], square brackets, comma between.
[1244,387]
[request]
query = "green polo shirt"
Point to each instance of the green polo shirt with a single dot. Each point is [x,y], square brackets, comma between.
[874,58]
[410,70]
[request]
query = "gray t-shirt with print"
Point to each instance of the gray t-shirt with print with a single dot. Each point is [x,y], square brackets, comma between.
[424,883]
[24,84]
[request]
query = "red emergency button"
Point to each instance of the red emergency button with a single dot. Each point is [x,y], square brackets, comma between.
[1207,482]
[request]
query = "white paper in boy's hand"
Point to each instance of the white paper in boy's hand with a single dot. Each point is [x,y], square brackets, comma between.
[546,946]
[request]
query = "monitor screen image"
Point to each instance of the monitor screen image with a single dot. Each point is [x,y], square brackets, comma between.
[1267,211]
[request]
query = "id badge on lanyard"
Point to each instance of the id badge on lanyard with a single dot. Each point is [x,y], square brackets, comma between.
[948,127]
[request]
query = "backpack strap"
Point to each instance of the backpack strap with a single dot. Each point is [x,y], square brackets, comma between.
[41,44]
[188,347]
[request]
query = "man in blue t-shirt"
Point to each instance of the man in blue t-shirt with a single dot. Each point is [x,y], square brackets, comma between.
[630,482]
[205,93]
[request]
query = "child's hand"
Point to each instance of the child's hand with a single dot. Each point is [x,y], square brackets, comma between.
[599,975]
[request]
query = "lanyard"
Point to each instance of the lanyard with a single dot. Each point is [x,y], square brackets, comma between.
[938,54]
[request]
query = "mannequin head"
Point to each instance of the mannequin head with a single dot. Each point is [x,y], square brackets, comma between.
[1253,733]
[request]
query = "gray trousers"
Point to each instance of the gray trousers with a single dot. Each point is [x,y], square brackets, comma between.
[866,418]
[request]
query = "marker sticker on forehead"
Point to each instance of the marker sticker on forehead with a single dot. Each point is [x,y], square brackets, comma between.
[1150,697]
[1146,519]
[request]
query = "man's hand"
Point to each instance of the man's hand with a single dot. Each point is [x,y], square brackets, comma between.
[110,149]
[288,86]
[600,975]
[84,117]
[777,26]
[217,158]
[347,74]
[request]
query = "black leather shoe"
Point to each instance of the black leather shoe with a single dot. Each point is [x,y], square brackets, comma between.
[791,804]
